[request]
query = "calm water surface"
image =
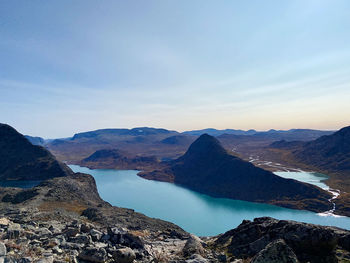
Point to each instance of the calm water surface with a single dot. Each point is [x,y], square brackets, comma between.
[196,213]
[311,178]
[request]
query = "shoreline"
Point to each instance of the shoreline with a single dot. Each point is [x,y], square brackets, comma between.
[335,192]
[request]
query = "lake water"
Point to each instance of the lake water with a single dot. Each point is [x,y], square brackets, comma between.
[311,178]
[194,212]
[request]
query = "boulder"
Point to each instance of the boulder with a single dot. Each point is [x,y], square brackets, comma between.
[276,252]
[193,246]
[196,259]
[124,255]
[81,239]
[43,232]
[85,228]
[96,235]
[14,231]
[3,250]
[71,231]
[125,238]
[91,254]
[4,221]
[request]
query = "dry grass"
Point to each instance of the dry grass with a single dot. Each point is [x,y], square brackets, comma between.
[71,207]
[140,233]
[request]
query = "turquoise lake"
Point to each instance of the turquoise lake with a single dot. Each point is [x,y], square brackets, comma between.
[194,212]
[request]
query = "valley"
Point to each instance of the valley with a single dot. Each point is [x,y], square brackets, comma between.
[84,212]
[149,149]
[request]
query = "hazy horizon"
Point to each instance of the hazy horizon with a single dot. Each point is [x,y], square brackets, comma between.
[180,131]
[181,65]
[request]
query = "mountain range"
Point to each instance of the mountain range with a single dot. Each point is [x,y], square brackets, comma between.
[161,143]
[292,134]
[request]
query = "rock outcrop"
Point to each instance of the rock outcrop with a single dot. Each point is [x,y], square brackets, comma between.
[266,240]
[276,252]
[310,243]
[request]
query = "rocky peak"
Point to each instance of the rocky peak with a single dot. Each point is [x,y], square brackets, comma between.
[205,147]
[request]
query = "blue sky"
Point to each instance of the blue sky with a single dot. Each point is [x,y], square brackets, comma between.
[70,66]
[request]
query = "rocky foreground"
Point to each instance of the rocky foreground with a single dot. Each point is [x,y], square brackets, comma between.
[25,240]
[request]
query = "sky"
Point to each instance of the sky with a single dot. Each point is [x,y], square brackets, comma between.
[72,66]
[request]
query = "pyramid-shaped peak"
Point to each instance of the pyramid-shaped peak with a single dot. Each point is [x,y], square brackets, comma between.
[206,145]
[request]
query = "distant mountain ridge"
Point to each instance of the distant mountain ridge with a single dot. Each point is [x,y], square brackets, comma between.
[139,131]
[206,167]
[292,134]
[21,160]
[215,132]
[331,152]
[35,140]
[162,143]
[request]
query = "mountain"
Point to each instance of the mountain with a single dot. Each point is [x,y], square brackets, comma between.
[21,160]
[140,131]
[206,167]
[117,159]
[330,152]
[137,141]
[293,134]
[215,132]
[35,140]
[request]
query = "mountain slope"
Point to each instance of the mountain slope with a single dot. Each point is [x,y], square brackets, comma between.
[35,140]
[330,152]
[117,159]
[179,140]
[20,160]
[207,168]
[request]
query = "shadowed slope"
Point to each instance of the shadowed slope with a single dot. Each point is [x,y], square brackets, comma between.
[330,152]
[20,160]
